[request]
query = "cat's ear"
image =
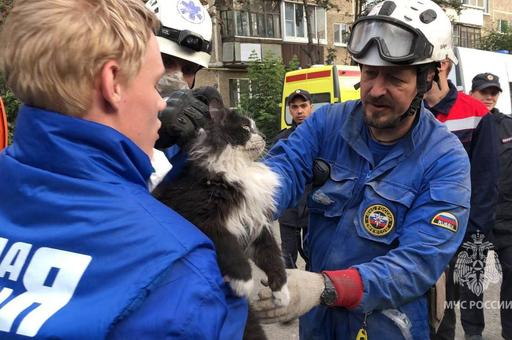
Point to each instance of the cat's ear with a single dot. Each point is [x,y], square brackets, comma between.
[218,114]
[211,97]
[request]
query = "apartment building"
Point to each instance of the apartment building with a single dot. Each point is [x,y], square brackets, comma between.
[258,27]
[245,28]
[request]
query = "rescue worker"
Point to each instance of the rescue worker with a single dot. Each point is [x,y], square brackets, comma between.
[184,39]
[486,88]
[393,208]
[85,250]
[469,120]
[294,221]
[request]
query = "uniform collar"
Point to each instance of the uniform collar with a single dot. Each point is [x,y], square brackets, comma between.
[354,135]
[445,105]
[78,148]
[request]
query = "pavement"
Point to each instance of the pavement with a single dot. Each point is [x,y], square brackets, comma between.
[492,316]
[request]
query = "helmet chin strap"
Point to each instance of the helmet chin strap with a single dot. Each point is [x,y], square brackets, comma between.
[423,85]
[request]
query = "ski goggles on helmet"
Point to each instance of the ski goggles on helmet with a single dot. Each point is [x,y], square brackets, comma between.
[397,42]
[186,39]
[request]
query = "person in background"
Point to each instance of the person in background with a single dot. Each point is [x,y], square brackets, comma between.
[87,251]
[486,88]
[294,221]
[184,40]
[469,120]
[393,208]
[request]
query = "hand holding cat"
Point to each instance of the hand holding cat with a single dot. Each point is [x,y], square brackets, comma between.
[182,117]
[305,289]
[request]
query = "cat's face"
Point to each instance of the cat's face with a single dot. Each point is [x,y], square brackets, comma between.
[230,135]
[241,133]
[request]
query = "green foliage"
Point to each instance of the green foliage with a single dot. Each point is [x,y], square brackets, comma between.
[495,41]
[266,84]
[10,101]
[331,56]
[12,105]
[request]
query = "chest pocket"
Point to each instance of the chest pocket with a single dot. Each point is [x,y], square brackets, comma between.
[330,199]
[382,211]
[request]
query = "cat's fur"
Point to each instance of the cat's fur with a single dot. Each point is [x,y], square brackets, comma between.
[228,194]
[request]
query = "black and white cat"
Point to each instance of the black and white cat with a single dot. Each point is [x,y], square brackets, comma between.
[228,194]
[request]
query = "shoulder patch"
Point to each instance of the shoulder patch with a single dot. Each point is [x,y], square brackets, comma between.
[446,220]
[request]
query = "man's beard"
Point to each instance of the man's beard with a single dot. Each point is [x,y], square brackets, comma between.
[388,123]
[373,120]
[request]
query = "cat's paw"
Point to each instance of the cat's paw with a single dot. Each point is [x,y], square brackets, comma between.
[240,287]
[281,297]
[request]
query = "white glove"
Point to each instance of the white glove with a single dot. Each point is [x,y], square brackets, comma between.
[305,290]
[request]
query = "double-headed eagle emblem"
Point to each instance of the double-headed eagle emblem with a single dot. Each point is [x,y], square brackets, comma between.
[471,268]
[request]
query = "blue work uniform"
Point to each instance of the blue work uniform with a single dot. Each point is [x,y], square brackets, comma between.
[87,253]
[397,222]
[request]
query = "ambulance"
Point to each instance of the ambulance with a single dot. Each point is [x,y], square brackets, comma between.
[3,126]
[326,83]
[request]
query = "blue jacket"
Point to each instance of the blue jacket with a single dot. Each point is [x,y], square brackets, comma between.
[87,253]
[398,223]
[470,121]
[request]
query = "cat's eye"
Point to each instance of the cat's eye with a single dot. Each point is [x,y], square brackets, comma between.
[245,127]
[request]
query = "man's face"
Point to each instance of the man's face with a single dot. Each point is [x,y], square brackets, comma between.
[300,109]
[141,101]
[173,64]
[386,93]
[488,96]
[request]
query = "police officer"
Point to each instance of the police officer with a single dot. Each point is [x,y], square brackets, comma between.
[294,221]
[486,87]
[393,210]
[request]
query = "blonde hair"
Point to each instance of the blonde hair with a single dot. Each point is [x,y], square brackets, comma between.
[51,51]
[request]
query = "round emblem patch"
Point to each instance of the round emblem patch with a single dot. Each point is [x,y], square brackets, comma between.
[191,11]
[378,220]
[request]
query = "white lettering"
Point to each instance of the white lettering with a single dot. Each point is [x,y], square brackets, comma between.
[13,261]
[51,296]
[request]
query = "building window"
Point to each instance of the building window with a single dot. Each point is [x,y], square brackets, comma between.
[295,27]
[237,88]
[294,20]
[466,36]
[256,18]
[341,34]
[503,26]
[476,3]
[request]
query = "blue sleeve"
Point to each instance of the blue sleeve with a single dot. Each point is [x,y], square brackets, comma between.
[190,302]
[425,247]
[484,175]
[292,158]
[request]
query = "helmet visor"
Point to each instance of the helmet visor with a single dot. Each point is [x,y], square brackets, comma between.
[396,41]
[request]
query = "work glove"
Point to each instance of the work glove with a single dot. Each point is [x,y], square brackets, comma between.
[305,290]
[182,117]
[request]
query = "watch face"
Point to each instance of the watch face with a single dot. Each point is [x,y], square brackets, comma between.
[328,296]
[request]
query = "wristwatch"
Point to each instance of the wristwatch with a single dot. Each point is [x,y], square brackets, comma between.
[329,295]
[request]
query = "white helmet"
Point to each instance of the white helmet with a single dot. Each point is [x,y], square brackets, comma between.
[402,32]
[185,31]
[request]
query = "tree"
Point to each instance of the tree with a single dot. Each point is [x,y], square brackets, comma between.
[266,84]
[495,41]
